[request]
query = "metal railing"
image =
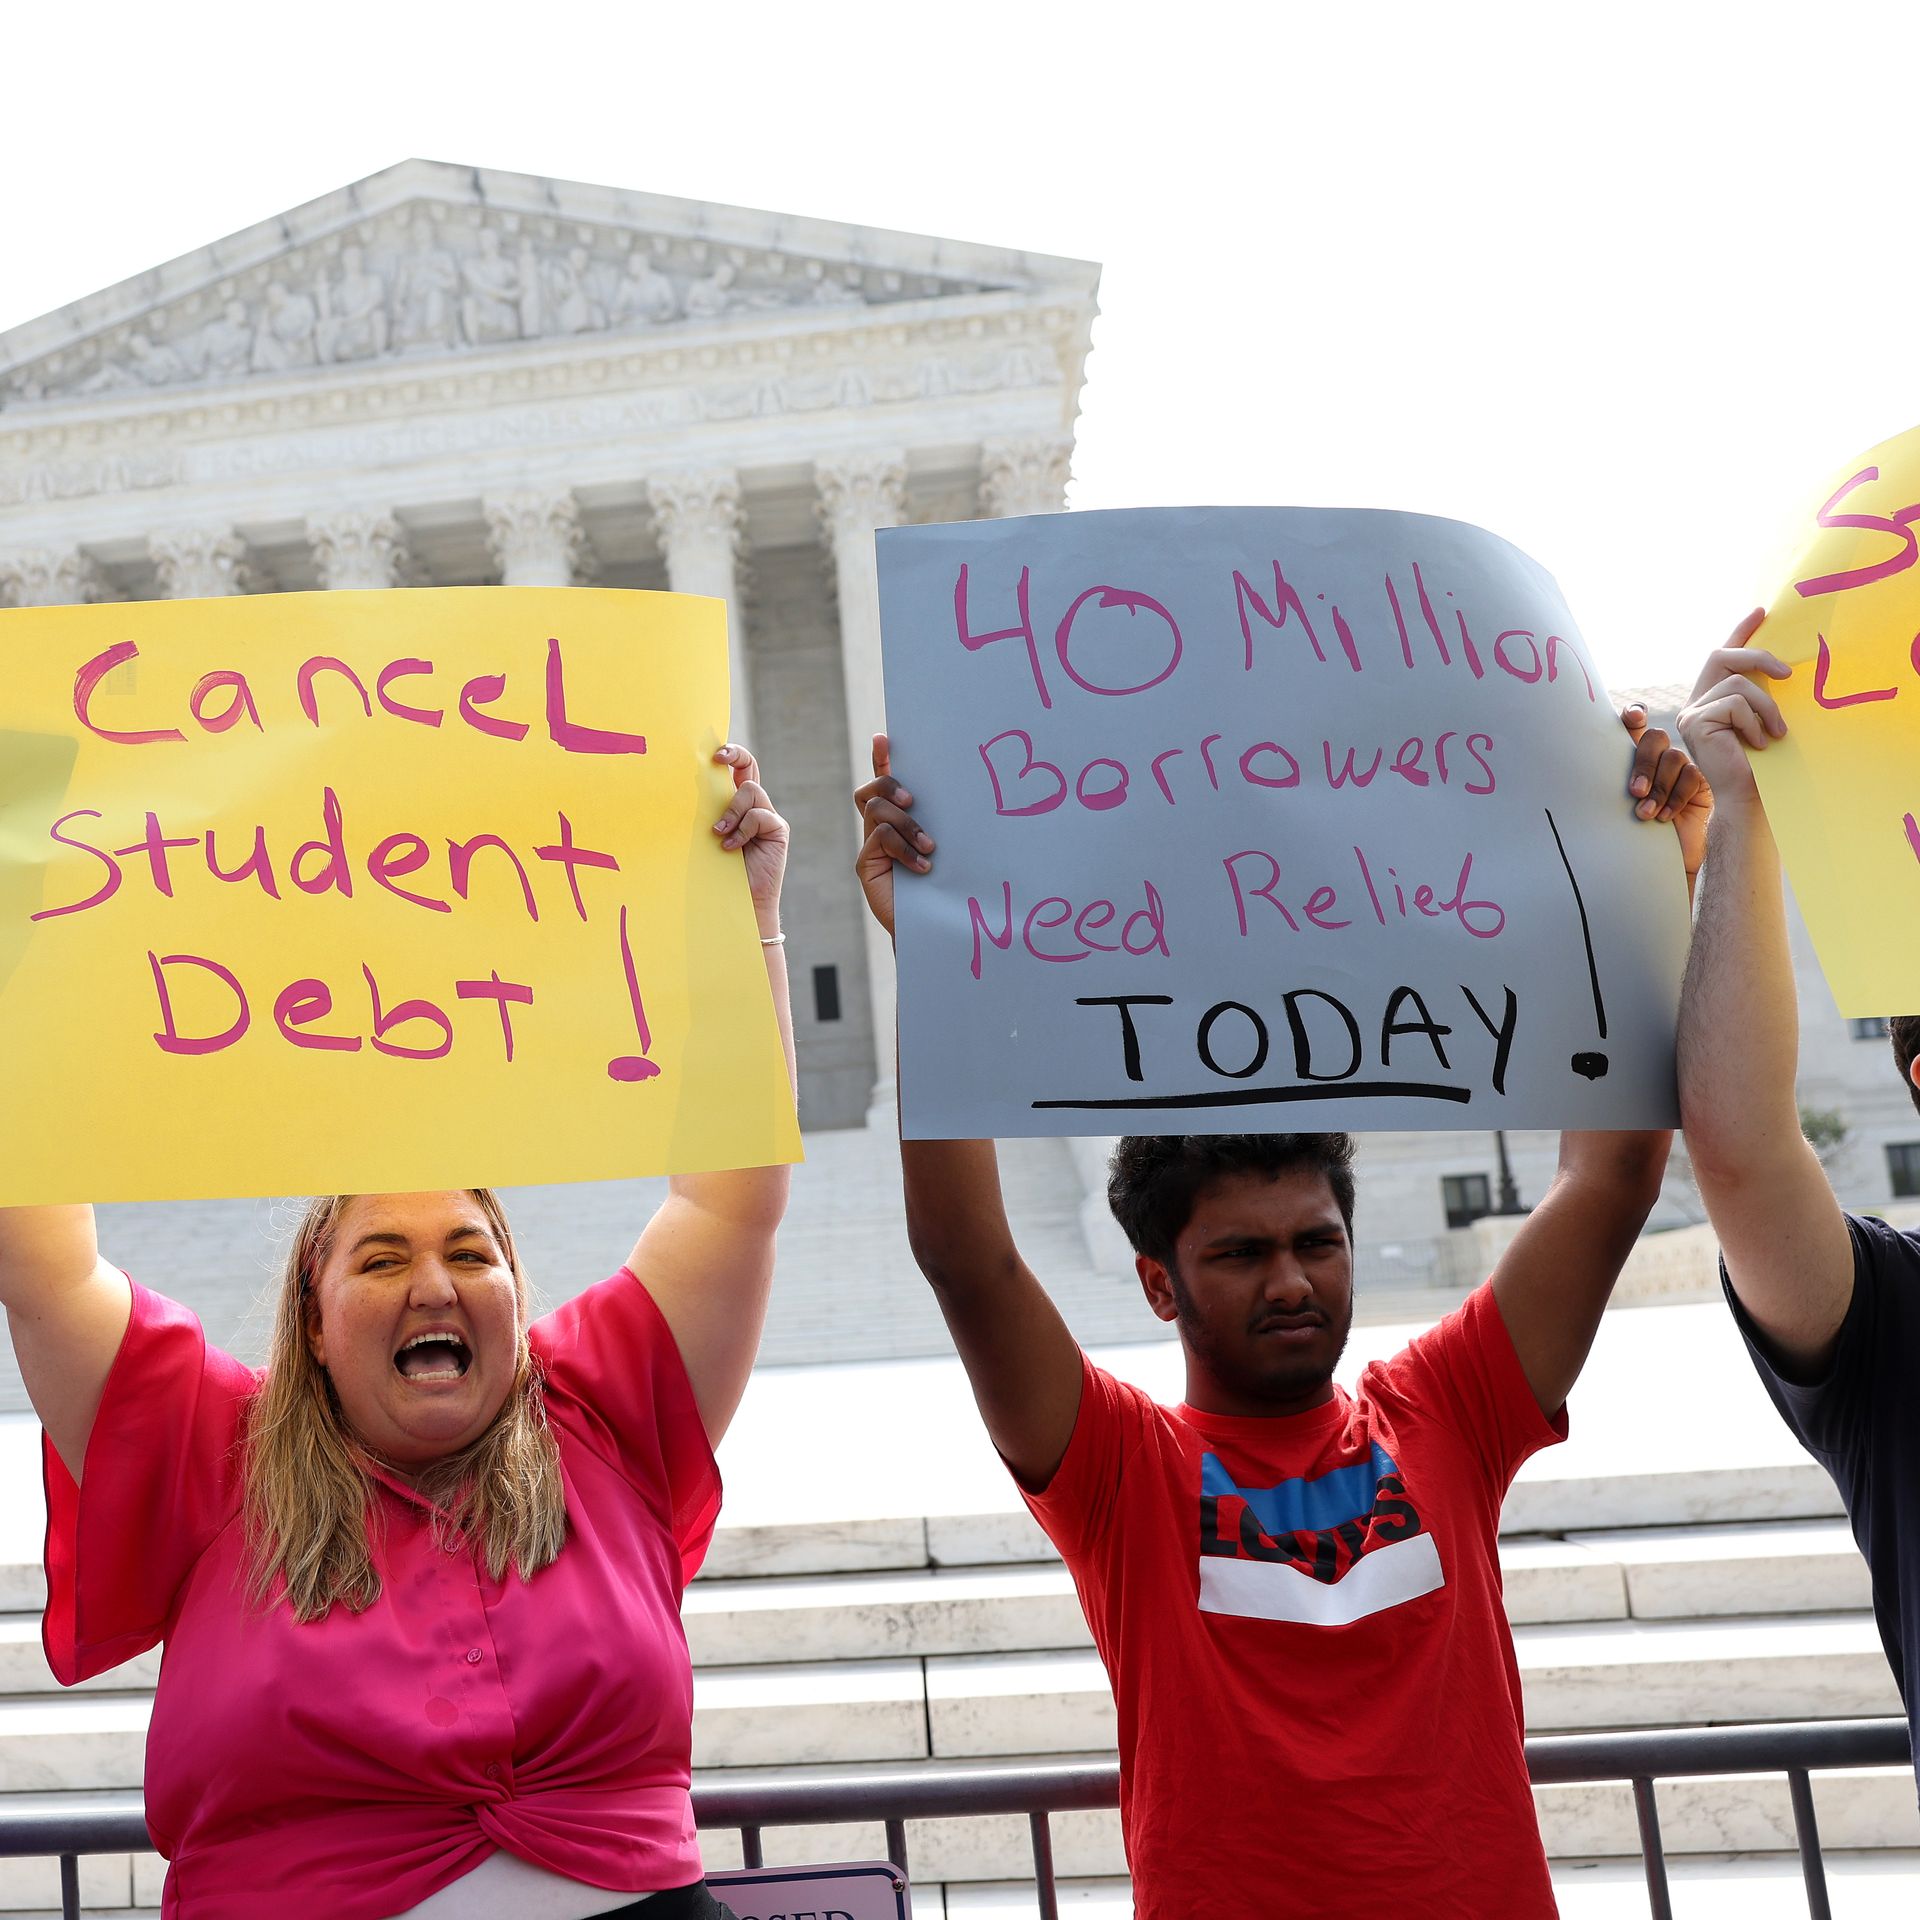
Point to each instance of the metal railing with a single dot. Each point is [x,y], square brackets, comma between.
[1797,1749]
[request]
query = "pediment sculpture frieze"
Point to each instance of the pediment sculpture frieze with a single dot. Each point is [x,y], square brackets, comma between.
[425,281]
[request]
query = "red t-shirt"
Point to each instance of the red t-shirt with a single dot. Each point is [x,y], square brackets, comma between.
[351,1766]
[1319,1705]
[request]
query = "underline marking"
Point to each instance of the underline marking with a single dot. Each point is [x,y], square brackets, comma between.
[1262,1096]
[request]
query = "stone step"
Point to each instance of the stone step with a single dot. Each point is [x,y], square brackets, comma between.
[1637,1673]
[1783,1566]
[24,1669]
[1776,1567]
[998,1609]
[845,1711]
[1865,1887]
[73,1742]
[1591,1676]
[966,1610]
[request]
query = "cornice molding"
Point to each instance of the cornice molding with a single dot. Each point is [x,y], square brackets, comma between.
[369,414]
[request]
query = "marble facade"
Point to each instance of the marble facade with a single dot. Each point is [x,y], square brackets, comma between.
[448,376]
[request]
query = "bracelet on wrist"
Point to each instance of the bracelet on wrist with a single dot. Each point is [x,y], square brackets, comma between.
[774,939]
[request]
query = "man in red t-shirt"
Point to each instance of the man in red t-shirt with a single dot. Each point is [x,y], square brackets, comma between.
[1295,1589]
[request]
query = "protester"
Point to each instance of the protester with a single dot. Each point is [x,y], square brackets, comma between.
[419,1581]
[1827,1302]
[1295,1589]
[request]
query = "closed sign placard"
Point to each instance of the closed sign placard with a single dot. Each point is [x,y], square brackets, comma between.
[854,1890]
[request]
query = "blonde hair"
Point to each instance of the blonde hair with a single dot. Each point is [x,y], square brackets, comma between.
[308,1490]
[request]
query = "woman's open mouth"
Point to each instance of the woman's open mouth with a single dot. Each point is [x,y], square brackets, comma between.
[434,1356]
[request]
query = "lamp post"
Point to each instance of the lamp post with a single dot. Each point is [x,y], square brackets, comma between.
[1509,1201]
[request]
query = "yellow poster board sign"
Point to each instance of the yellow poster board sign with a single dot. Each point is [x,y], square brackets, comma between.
[1842,791]
[367,892]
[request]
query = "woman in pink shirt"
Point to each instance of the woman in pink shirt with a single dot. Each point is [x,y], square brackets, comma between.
[419,1580]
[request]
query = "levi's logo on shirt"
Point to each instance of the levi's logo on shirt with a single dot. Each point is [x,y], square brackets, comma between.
[1322,1552]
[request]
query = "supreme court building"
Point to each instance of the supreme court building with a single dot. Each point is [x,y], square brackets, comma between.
[446,376]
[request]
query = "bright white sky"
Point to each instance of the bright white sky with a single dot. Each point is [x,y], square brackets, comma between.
[1623,283]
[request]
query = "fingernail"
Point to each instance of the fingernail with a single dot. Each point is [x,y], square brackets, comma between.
[1639,784]
[1646,809]
[903,797]
[921,864]
[923,843]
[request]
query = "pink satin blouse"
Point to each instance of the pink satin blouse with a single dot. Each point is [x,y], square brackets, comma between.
[353,1766]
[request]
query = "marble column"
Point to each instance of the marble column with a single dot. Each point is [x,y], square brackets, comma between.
[1024,476]
[536,538]
[49,577]
[858,496]
[358,547]
[200,563]
[696,520]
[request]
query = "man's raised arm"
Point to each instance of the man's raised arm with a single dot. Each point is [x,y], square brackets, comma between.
[1782,1234]
[1552,1284]
[1022,1362]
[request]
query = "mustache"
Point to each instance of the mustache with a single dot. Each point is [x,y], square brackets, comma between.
[1289,1317]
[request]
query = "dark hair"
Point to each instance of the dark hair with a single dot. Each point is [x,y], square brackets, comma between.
[1153,1179]
[1905,1029]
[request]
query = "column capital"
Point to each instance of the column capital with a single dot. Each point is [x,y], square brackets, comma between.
[49,577]
[1024,476]
[859,493]
[697,503]
[201,563]
[358,547]
[536,537]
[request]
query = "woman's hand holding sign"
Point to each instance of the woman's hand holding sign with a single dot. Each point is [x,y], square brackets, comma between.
[752,827]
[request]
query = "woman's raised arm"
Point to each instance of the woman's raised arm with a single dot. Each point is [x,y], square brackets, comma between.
[67,1311]
[707,1255]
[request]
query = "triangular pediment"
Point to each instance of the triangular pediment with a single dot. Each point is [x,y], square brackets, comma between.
[426,261]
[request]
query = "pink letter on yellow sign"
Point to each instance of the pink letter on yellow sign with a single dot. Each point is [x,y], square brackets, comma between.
[356,892]
[1842,791]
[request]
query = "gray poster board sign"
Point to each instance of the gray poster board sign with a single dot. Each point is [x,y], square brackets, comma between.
[851,1890]
[1257,818]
